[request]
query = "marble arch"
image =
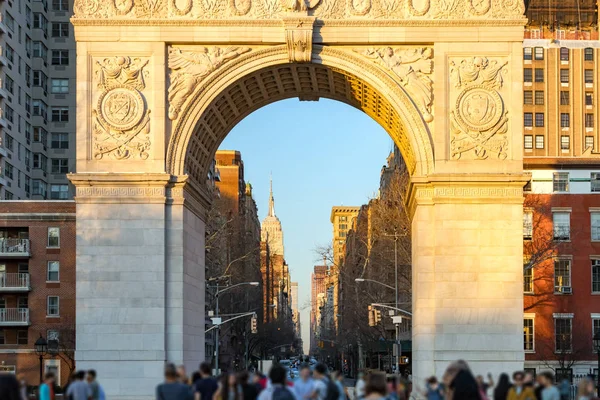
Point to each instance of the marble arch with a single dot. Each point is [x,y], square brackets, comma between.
[161,82]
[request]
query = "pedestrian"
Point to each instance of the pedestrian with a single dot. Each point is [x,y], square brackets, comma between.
[94,385]
[325,389]
[460,383]
[227,388]
[249,391]
[549,391]
[22,387]
[585,390]
[520,391]
[502,388]
[9,387]
[360,386]
[433,389]
[483,385]
[278,389]
[338,379]
[565,389]
[183,378]
[79,389]
[206,387]
[172,389]
[304,386]
[376,388]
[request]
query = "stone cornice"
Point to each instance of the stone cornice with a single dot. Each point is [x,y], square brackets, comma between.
[487,23]
[466,189]
[119,188]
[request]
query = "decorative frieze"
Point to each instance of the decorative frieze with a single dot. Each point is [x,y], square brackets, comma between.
[323,9]
[299,38]
[121,119]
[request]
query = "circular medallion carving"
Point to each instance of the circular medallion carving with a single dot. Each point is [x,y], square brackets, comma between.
[240,7]
[121,107]
[183,7]
[122,7]
[479,108]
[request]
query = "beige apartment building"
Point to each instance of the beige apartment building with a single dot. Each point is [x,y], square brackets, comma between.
[37,96]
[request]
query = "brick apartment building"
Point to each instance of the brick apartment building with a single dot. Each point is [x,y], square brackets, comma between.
[37,286]
[561,54]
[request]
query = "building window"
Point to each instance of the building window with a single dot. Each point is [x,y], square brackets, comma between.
[595,329]
[564,373]
[595,224]
[528,119]
[53,237]
[53,271]
[564,75]
[60,57]
[527,75]
[528,97]
[595,276]
[59,140]
[22,302]
[565,120]
[40,79]
[527,53]
[565,142]
[8,170]
[59,86]
[539,120]
[527,280]
[588,54]
[589,120]
[60,165]
[564,97]
[564,54]
[589,98]
[59,192]
[539,74]
[528,144]
[589,142]
[528,333]
[562,225]
[527,225]
[539,142]
[562,334]
[589,76]
[60,29]
[60,114]
[539,97]
[539,53]
[21,337]
[53,306]
[60,5]
[39,188]
[562,276]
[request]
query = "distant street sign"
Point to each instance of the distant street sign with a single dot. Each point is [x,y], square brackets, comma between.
[216,320]
[397,319]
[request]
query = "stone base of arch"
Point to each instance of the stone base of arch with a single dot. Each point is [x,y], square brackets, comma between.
[140,276]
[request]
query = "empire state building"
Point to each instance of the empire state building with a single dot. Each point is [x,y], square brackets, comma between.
[271,232]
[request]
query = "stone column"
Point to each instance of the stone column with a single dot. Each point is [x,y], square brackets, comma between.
[467,275]
[140,279]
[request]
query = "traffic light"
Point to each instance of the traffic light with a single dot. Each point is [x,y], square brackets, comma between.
[377,316]
[253,324]
[371,316]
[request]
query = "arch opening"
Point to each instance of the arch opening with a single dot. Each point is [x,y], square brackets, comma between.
[213,111]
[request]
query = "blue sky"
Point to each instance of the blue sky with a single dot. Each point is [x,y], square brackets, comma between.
[320,154]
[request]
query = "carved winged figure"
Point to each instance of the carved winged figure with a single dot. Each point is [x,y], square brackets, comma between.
[189,68]
[478,70]
[412,67]
[121,70]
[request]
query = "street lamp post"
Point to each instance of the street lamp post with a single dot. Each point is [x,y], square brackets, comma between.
[597,347]
[217,293]
[41,348]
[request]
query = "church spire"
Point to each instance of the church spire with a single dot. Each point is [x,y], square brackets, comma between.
[271,200]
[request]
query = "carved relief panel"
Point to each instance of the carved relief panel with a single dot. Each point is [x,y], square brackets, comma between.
[479,119]
[120,117]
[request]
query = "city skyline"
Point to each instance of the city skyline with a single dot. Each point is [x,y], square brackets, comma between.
[303,232]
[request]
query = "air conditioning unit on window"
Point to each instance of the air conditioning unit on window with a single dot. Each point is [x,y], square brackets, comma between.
[563,289]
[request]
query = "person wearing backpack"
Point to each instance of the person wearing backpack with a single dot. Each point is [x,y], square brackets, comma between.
[325,388]
[278,389]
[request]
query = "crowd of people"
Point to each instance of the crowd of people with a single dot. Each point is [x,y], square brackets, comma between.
[82,386]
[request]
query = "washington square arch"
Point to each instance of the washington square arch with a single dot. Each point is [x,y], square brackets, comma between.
[160,83]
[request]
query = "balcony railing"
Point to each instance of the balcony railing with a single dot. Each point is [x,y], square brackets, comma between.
[14,247]
[14,282]
[14,316]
